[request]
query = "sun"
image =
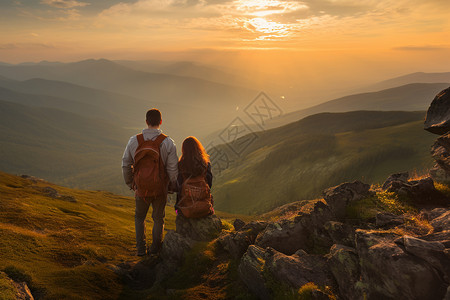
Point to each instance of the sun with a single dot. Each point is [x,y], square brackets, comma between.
[267,30]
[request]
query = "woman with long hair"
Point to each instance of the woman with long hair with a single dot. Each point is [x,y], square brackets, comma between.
[194,170]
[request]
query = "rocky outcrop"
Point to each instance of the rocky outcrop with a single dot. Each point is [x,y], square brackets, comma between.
[442,222]
[266,270]
[11,289]
[339,197]
[251,272]
[420,191]
[401,177]
[388,271]
[438,122]
[306,231]
[199,229]
[175,246]
[438,115]
[236,243]
[433,252]
[441,152]
[385,219]
[376,263]
[238,224]
[344,265]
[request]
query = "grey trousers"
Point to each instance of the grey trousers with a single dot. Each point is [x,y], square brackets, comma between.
[158,214]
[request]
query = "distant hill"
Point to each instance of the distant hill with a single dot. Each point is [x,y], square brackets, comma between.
[107,75]
[191,106]
[36,100]
[188,69]
[297,161]
[418,77]
[122,109]
[410,97]
[61,146]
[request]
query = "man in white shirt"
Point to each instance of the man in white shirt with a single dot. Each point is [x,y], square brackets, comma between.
[168,155]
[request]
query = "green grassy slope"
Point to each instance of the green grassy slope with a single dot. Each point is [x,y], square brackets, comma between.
[63,249]
[62,147]
[68,250]
[299,160]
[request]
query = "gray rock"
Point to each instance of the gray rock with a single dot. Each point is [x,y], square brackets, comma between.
[263,270]
[251,268]
[384,219]
[442,222]
[344,265]
[341,233]
[20,289]
[437,120]
[447,295]
[175,246]
[430,251]
[440,236]
[340,196]
[419,191]
[199,229]
[389,272]
[23,292]
[298,269]
[238,224]
[236,243]
[433,213]
[395,177]
[441,153]
[305,232]
[439,174]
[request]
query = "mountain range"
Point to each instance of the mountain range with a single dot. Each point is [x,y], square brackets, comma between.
[297,161]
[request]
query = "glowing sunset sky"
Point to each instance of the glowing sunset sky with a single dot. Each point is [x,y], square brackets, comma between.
[315,40]
[68,29]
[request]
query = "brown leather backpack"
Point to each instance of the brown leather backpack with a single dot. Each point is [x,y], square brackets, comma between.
[196,198]
[149,174]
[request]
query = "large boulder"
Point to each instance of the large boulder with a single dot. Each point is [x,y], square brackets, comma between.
[344,265]
[267,271]
[341,233]
[438,115]
[339,197]
[386,219]
[441,153]
[403,177]
[251,270]
[236,243]
[298,269]
[175,246]
[420,191]
[441,222]
[306,231]
[388,271]
[430,251]
[199,229]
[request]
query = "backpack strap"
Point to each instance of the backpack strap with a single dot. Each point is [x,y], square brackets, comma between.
[160,139]
[140,138]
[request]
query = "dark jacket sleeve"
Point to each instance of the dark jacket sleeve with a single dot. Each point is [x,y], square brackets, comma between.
[179,184]
[209,175]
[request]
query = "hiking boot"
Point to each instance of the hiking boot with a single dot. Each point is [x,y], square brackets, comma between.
[154,249]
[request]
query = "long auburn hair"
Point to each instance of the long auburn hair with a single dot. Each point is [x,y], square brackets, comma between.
[194,159]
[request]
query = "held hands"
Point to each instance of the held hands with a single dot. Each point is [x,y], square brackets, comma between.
[173,187]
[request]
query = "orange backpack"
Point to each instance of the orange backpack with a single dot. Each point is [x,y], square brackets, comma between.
[150,176]
[196,198]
